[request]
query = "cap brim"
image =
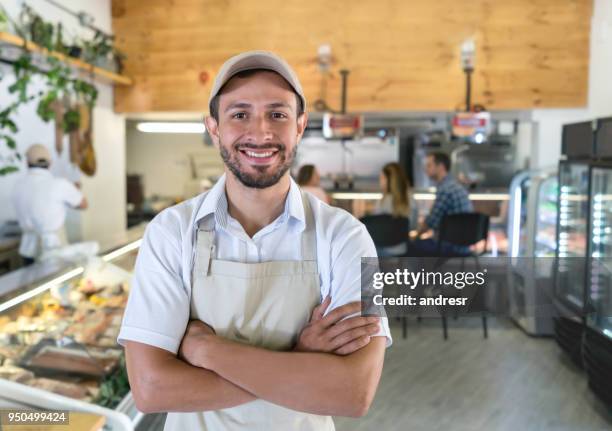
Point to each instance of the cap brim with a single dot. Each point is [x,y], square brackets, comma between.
[256,60]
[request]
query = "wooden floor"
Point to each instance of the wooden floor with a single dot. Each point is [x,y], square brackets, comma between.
[507,382]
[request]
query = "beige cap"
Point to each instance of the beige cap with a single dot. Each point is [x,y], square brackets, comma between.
[38,153]
[256,60]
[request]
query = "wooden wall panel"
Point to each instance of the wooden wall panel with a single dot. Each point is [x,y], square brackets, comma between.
[403,54]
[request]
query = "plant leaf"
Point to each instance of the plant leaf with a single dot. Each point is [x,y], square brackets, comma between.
[8,170]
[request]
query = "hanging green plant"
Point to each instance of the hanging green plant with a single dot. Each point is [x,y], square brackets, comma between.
[60,99]
[39,31]
[4,20]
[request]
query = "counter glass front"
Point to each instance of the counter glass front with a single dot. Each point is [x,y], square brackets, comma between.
[546,222]
[599,294]
[59,335]
[572,233]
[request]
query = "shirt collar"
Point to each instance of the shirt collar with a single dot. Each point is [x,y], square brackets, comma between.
[216,203]
[445,180]
[39,171]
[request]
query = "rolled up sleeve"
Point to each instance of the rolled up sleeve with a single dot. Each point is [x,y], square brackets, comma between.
[71,195]
[157,312]
[347,249]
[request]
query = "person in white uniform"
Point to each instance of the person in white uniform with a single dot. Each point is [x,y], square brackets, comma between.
[41,201]
[244,313]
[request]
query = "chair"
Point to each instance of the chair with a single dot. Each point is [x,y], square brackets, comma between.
[387,230]
[464,230]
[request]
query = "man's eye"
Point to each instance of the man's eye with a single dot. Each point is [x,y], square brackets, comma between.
[239,115]
[278,115]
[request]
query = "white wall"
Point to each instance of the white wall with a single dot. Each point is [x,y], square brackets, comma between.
[163,161]
[106,189]
[548,122]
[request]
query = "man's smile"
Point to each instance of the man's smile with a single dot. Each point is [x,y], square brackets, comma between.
[259,156]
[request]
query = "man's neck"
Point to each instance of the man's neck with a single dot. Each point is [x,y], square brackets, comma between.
[255,208]
[442,177]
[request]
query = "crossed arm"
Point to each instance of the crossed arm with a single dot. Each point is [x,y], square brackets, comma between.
[334,370]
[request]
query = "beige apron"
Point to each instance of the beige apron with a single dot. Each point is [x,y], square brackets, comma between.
[261,304]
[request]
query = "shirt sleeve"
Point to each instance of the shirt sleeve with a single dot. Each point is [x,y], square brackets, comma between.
[157,312]
[71,195]
[347,249]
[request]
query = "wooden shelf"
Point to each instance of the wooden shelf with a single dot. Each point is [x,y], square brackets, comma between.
[86,68]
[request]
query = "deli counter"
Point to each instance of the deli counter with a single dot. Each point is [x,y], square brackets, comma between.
[59,324]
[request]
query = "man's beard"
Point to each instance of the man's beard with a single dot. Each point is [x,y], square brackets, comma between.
[262,179]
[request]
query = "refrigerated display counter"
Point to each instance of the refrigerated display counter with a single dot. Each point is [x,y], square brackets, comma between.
[570,274]
[597,340]
[59,323]
[532,227]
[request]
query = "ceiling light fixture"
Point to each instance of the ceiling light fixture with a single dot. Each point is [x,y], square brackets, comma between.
[171,127]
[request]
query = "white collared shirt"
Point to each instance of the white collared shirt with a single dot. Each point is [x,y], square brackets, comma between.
[159,304]
[40,201]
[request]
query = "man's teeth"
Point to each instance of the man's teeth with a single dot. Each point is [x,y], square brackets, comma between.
[260,155]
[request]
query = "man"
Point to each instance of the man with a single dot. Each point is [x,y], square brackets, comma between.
[40,201]
[451,198]
[257,265]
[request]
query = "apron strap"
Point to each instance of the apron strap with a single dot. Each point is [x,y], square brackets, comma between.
[205,240]
[205,243]
[309,238]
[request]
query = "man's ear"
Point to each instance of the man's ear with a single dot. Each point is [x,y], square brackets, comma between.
[302,122]
[213,129]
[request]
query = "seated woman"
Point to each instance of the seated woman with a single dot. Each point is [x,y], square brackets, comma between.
[395,201]
[308,179]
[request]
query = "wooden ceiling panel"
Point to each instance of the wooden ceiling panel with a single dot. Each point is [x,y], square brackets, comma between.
[403,54]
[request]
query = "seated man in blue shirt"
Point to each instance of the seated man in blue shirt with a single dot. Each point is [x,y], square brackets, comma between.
[451,198]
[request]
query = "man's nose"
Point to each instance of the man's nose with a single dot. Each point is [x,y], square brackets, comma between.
[260,130]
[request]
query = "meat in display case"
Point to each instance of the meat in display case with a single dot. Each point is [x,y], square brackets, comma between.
[532,226]
[58,347]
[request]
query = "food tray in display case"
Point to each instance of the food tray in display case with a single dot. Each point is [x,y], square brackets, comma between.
[58,347]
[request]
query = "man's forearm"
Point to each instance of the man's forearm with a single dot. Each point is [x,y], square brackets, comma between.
[319,383]
[160,383]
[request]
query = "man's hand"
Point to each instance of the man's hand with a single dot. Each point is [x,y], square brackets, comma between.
[331,334]
[197,336]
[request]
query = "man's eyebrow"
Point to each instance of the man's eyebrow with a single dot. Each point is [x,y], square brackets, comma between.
[279,105]
[240,105]
[246,105]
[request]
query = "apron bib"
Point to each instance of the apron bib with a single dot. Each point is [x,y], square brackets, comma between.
[261,304]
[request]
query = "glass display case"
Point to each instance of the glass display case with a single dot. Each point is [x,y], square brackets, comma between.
[546,219]
[58,330]
[597,340]
[572,234]
[517,210]
[532,234]
[599,287]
